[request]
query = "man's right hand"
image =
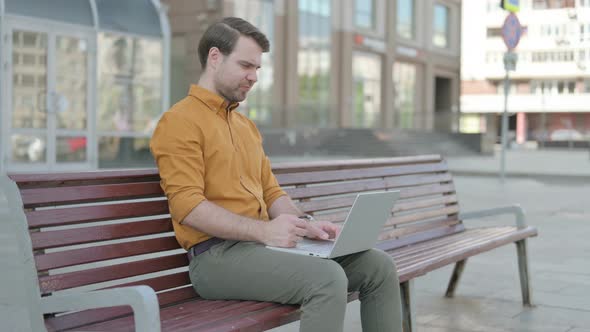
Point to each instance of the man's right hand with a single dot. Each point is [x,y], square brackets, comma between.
[286,230]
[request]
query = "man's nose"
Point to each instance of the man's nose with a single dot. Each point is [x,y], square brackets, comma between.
[252,76]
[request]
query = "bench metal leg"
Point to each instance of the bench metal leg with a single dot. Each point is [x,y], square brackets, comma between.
[407,288]
[523,269]
[455,278]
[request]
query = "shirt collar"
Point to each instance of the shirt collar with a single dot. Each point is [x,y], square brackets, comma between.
[215,102]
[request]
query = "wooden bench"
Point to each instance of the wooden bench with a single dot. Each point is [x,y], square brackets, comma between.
[110,230]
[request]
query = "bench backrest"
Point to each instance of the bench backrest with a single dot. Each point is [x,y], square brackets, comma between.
[107,229]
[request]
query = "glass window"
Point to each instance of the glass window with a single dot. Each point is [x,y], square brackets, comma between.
[571,87]
[130,90]
[364,14]
[258,105]
[28,148]
[405,19]
[404,85]
[313,63]
[29,91]
[71,83]
[130,77]
[366,78]
[126,152]
[440,37]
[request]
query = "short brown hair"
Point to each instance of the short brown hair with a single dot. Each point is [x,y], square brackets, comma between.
[224,35]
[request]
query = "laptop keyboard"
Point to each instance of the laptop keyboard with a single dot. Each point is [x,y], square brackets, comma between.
[321,247]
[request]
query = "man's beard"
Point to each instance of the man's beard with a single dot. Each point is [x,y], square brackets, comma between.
[232,95]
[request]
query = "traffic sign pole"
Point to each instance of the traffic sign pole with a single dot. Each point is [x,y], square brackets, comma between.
[504,123]
[511,32]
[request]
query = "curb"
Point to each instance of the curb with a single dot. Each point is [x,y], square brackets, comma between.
[579,179]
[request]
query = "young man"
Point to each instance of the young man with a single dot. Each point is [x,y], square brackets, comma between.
[226,204]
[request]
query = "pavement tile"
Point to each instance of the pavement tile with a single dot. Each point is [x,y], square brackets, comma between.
[545,315]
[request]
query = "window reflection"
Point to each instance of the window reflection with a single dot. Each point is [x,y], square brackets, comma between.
[28,148]
[404,84]
[130,74]
[366,89]
[116,152]
[440,36]
[71,149]
[71,83]
[405,18]
[29,77]
[364,15]
[258,105]
[313,64]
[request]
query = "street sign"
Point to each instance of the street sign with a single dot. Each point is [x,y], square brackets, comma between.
[512,6]
[511,31]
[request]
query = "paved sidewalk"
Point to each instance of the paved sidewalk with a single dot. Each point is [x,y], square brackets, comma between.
[573,165]
[488,296]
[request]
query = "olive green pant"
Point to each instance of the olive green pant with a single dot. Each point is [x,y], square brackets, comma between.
[249,271]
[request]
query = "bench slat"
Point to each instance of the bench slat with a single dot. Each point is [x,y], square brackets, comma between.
[461,241]
[178,279]
[432,244]
[53,239]
[55,282]
[392,233]
[392,244]
[46,180]
[400,206]
[315,177]
[196,321]
[85,214]
[414,192]
[422,215]
[39,197]
[100,253]
[356,187]
[418,269]
[310,166]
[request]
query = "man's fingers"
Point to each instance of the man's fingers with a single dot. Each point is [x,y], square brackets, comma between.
[301,231]
[314,231]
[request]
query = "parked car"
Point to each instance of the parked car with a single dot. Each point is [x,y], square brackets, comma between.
[566,135]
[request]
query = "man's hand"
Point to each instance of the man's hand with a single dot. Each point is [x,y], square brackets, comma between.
[325,227]
[286,230]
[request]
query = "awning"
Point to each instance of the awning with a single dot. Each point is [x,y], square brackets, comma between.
[139,17]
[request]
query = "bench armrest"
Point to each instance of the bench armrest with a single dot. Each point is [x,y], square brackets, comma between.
[515,209]
[142,299]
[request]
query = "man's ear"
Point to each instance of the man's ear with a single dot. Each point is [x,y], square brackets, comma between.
[214,57]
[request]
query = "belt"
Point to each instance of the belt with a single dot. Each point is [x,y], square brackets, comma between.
[201,247]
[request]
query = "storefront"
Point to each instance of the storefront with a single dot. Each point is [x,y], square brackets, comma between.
[83,83]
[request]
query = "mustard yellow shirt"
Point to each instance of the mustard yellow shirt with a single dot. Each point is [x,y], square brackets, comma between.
[207,151]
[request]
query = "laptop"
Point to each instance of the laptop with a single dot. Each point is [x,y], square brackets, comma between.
[360,231]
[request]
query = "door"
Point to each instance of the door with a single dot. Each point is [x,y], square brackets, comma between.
[47,124]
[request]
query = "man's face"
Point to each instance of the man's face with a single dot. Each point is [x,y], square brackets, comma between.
[235,74]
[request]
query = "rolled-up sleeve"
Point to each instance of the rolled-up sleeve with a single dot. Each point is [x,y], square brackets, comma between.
[176,147]
[270,186]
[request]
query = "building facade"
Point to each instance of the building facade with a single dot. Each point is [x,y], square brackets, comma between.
[83,82]
[549,99]
[338,64]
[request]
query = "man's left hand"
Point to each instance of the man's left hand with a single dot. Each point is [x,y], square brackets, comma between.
[332,229]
